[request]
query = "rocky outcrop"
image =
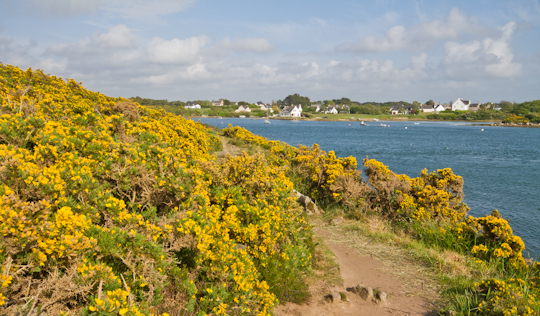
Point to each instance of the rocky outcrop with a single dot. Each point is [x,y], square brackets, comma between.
[309,206]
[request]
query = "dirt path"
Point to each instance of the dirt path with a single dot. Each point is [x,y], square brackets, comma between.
[357,269]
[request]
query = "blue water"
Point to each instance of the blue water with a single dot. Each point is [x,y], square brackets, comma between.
[500,165]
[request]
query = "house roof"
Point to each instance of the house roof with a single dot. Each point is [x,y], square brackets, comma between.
[466,102]
[400,106]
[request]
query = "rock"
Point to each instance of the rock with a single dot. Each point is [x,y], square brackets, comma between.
[240,246]
[366,293]
[336,297]
[336,221]
[381,298]
[313,208]
[309,206]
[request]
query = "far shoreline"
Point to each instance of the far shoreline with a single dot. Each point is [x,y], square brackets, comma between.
[491,123]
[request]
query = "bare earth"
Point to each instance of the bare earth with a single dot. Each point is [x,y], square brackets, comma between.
[361,269]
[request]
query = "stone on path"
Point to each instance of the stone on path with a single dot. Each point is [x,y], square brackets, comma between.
[381,298]
[336,297]
[336,221]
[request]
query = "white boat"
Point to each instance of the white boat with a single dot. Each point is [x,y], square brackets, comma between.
[267,121]
[242,116]
[375,120]
[416,123]
[382,125]
[363,123]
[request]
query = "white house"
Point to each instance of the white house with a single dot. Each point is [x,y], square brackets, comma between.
[331,110]
[291,111]
[243,108]
[438,108]
[191,105]
[426,108]
[461,105]
[397,107]
[316,107]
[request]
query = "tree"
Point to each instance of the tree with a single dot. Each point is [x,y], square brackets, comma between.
[297,99]
[430,102]
[345,101]
[226,102]
[329,102]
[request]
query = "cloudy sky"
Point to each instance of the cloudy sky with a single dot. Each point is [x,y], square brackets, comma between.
[483,50]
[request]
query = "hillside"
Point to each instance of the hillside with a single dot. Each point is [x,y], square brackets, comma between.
[111,208]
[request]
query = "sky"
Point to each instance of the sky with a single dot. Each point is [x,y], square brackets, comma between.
[381,50]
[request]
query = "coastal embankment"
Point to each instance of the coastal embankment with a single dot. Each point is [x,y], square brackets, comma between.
[111,208]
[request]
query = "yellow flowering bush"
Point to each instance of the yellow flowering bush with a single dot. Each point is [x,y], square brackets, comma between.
[110,208]
[514,296]
[497,240]
[437,195]
[321,175]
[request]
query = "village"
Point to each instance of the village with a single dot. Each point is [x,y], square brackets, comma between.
[296,110]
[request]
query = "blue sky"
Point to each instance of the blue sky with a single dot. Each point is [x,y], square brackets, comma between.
[265,50]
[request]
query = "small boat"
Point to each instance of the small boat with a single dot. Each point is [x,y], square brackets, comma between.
[416,123]
[375,120]
[242,116]
[267,121]
[383,125]
[363,123]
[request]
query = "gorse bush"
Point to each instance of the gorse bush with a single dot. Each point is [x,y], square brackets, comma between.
[430,207]
[110,208]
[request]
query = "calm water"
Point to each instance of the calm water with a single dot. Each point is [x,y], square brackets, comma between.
[500,166]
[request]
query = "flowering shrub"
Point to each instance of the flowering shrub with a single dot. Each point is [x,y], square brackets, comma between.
[514,296]
[515,119]
[497,240]
[110,208]
[321,175]
[437,195]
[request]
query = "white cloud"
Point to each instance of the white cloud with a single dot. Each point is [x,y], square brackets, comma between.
[175,51]
[257,45]
[504,67]
[419,36]
[491,56]
[117,37]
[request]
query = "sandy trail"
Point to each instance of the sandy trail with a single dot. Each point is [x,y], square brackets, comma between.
[356,269]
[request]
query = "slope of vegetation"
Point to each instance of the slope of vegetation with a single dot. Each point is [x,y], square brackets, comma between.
[109,208]
[429,210]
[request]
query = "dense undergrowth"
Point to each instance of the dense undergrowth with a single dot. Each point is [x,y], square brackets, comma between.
[429,209]
[109,208]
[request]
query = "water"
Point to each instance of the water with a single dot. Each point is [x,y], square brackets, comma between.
[500,166]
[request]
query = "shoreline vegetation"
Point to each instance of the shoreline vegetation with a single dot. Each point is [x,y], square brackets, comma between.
[108,207]
[509,121]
